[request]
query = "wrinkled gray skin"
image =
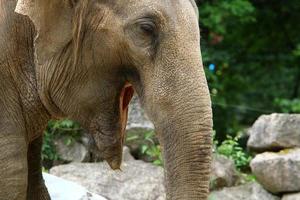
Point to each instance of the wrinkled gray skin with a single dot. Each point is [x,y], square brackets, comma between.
[86,52]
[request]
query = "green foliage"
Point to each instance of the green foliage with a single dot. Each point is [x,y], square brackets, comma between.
[249,177]
[214,15]
[154,151]
[151,149]
[67,129]
[251,54]
[147,146]
[48,148]
[296,52]
[231,149]
[288,106]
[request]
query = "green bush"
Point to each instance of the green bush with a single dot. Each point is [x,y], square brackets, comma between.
[67,129]
[151,149]
[48,148]
[232,149]
[148,147]
[287,105]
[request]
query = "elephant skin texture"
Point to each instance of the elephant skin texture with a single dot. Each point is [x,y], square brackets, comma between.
[83,60]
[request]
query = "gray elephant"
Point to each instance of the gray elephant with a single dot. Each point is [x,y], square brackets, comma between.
[83,59]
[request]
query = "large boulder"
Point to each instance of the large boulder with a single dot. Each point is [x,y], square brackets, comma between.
[295,196]
[278,172]
[60,189]
[224,173]
[137,180]
[250,191]
[274,132]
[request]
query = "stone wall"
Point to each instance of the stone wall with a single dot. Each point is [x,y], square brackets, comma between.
[276,139]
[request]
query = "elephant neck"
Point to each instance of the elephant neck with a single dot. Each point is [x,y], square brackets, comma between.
[54,79]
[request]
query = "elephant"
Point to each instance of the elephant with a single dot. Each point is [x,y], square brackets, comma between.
[83,60]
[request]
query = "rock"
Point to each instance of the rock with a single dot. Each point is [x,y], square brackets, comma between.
[126,154]
[250,191]
[223,174]
[137,118]
[295,196]
[138,125]
[75,152]
[278,172]
[60,189]
[137,180]
[275,132]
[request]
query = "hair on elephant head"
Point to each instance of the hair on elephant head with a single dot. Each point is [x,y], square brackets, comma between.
[90,54]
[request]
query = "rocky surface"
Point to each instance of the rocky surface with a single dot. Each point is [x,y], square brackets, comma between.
[275,131]
[60,189]
[278,172]
[251,191]
[224,173]
[295,196]
[137,180]
[75,152]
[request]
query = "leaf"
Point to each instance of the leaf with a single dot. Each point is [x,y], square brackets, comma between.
[144,149]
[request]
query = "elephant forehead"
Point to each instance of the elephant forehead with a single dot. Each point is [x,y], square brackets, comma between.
[160,5]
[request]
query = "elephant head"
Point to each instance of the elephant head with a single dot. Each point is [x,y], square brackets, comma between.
[90,54]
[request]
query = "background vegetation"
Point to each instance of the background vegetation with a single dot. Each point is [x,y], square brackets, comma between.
[251,50]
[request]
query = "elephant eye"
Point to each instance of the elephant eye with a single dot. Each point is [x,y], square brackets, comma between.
[144,32]
[148,28]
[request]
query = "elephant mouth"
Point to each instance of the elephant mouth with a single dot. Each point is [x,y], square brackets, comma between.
[109,144]
[125,97]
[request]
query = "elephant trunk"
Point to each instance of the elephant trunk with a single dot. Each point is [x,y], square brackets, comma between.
[183,121]
[186,141]
[187,154]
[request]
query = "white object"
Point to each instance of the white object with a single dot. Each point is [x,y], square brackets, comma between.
[60,189]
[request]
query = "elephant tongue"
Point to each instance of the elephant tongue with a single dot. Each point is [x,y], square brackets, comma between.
[125,97]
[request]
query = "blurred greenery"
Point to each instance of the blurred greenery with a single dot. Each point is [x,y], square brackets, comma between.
[231,149]
[145,146]
[69,130]
[152,149]
[251,54]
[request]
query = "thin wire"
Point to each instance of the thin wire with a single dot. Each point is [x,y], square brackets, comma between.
[239,107]
[225,106]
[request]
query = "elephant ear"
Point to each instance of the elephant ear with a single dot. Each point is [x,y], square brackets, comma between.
[53,23]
